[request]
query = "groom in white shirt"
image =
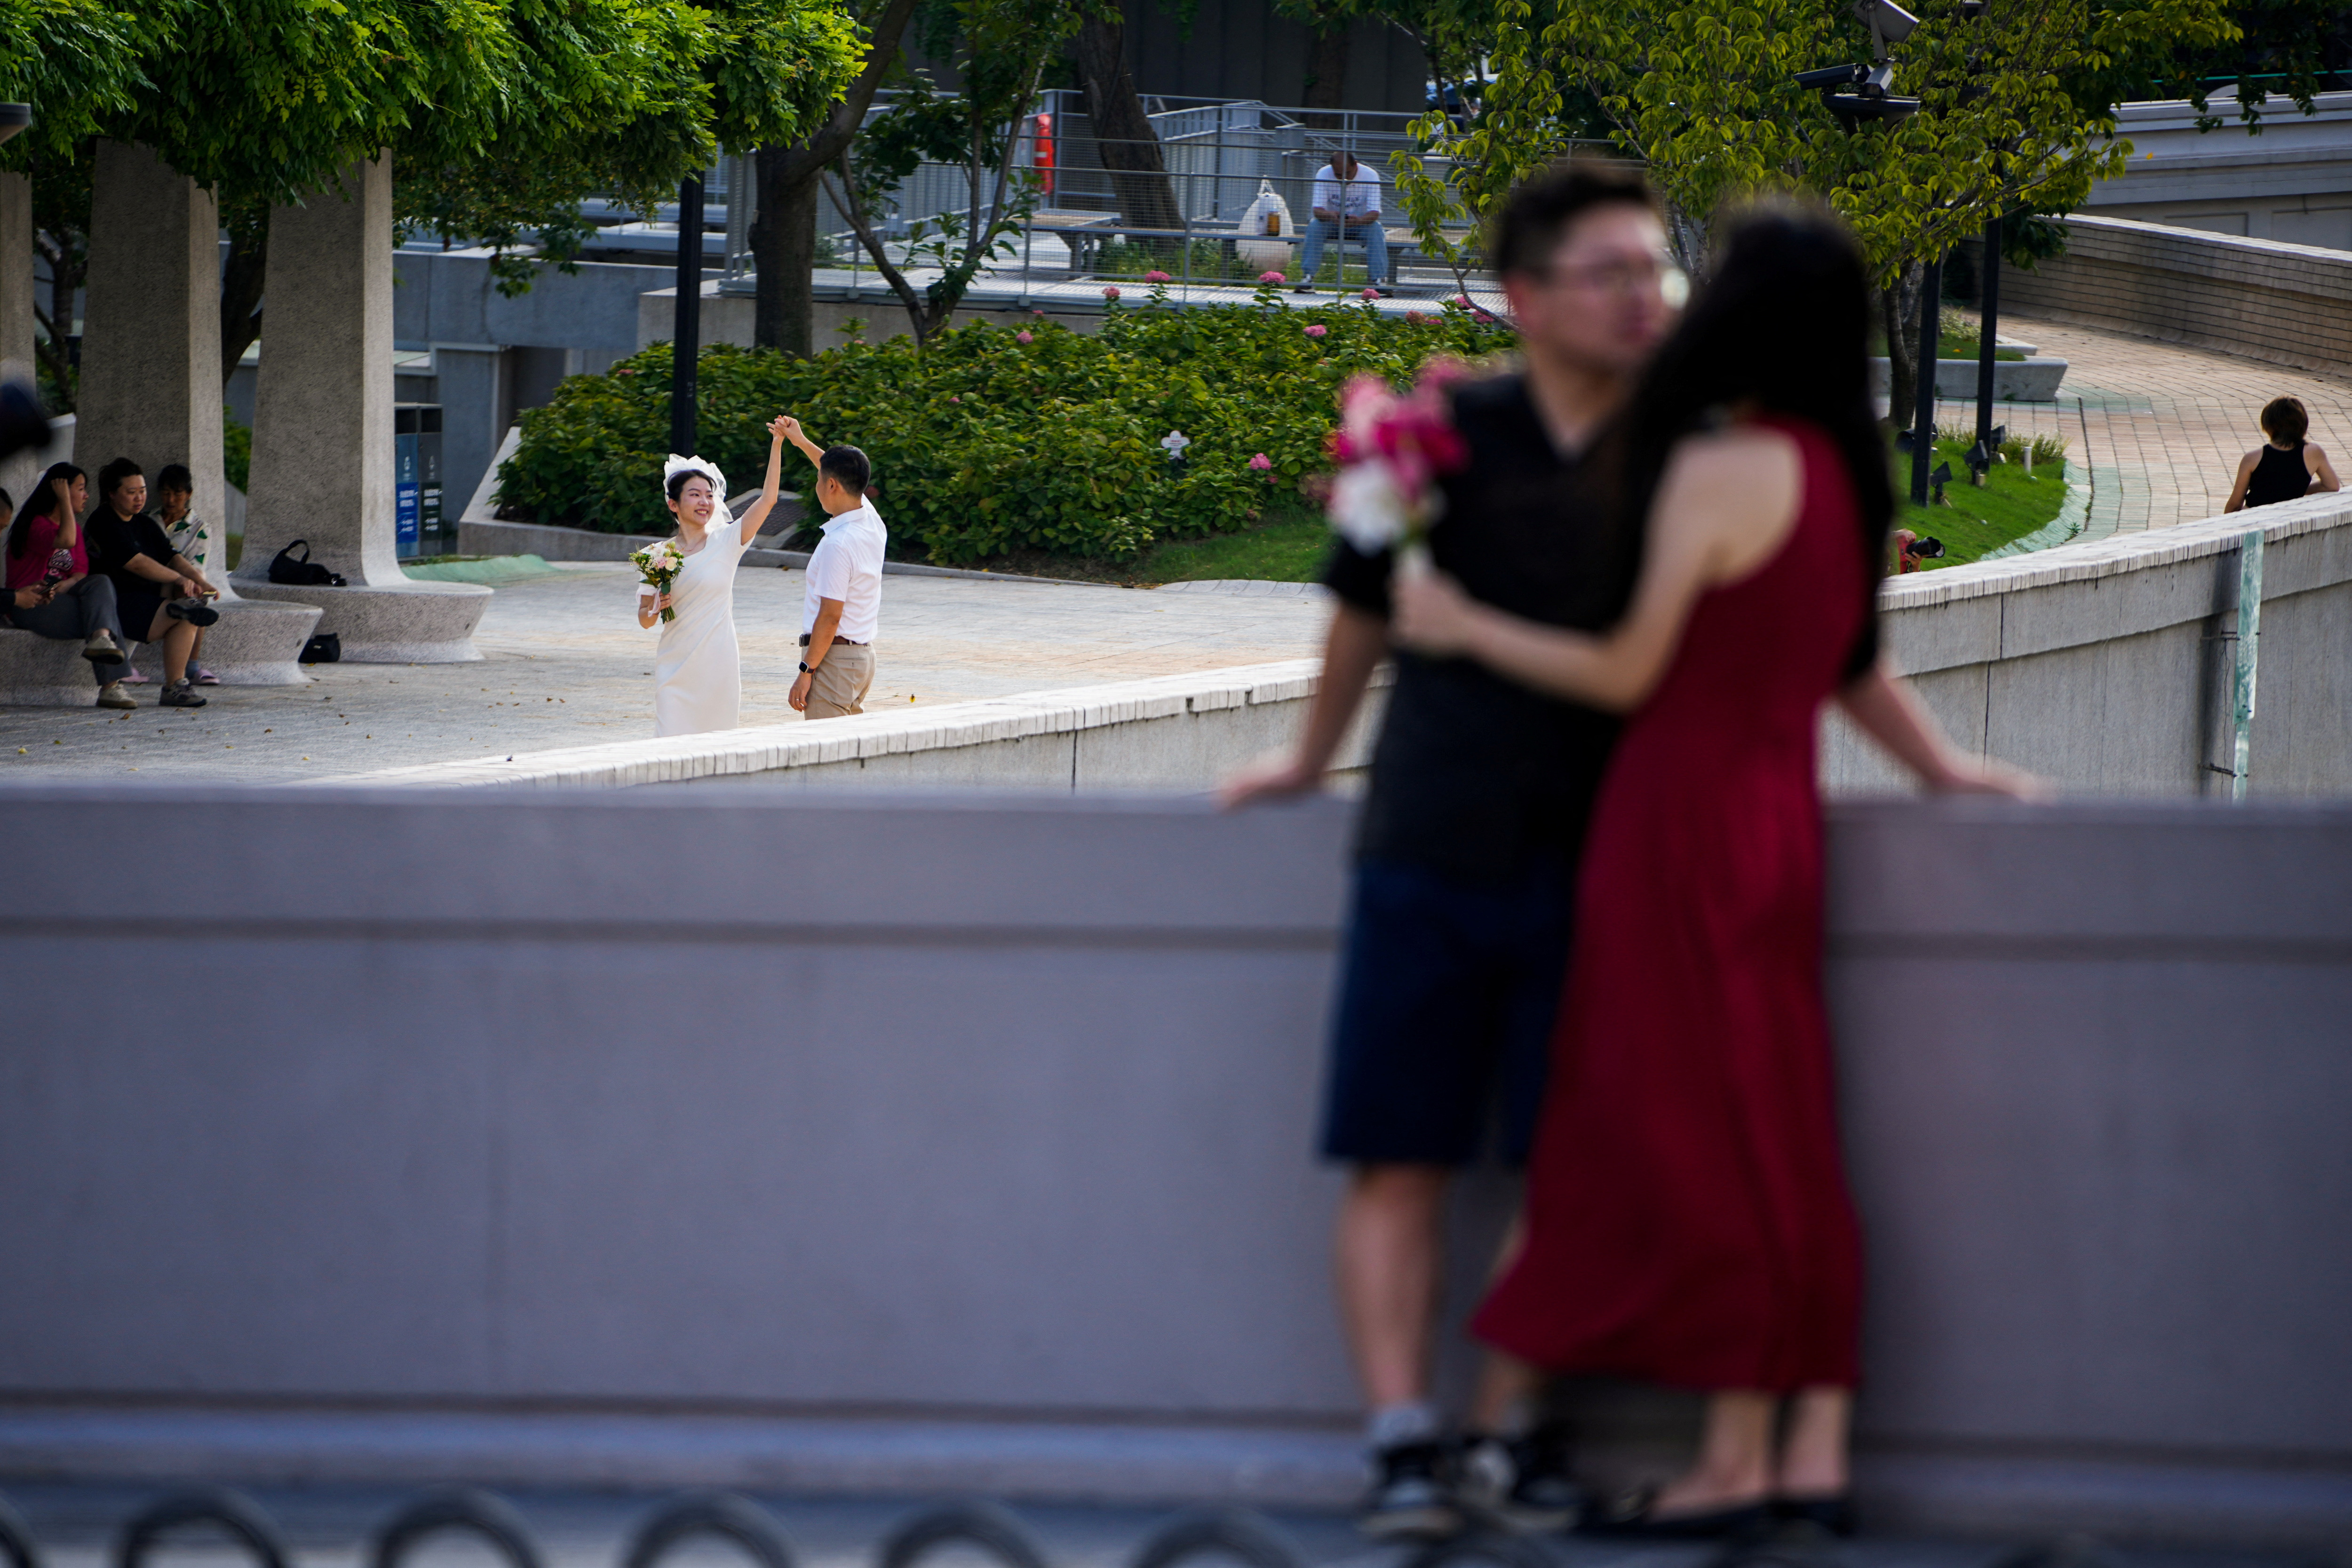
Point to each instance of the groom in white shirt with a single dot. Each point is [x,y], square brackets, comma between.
[841,608]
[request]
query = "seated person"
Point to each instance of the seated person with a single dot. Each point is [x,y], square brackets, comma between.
[49,588]
[175,496]
[160,593]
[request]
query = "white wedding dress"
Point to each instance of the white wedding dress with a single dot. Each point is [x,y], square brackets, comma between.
[699,674]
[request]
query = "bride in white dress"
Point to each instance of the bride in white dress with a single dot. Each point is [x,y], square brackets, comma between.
[698,675]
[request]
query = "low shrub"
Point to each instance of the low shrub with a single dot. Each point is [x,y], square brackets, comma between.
[1001,437]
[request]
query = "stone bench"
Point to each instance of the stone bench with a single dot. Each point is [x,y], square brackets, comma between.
[417,622]
[254,644]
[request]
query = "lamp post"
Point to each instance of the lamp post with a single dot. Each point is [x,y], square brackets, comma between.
[685,336]
[1923,418]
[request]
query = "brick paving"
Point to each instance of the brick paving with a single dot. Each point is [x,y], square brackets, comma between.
[2159,427]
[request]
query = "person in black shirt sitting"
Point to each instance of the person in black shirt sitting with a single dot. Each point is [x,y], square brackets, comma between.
[2284,467]
[159,592]
[1471,829]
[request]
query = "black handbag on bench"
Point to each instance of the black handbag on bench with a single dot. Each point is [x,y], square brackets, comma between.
[305,572]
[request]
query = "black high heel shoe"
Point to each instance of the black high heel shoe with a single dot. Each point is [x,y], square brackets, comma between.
[1629,1516]
[1833,1514]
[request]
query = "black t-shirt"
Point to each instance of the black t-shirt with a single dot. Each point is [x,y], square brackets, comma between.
[113,541]
[1475,776]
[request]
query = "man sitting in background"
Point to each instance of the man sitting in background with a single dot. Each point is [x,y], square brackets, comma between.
[1347,198]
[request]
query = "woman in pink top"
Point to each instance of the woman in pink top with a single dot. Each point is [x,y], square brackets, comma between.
[50,589]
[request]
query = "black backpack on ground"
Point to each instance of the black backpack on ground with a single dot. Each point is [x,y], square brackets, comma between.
[327,648]
[304,572]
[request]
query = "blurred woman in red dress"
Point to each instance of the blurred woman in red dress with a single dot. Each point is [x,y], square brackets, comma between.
[1688,1219]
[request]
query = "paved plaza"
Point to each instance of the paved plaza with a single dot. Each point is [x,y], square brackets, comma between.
[565,665]
[2157,427]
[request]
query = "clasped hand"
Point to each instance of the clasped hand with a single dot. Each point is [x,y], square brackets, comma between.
[1431,614]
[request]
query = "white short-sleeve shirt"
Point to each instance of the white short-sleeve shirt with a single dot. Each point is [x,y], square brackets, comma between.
[1353,197]
[847,565]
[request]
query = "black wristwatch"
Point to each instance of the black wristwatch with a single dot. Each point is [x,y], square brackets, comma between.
[807,669]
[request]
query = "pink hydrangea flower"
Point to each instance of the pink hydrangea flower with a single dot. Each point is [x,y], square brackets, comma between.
[1111,294]
[1023,336]
[1416,318]
[1269,277]
[953,397]
[1318,329]
[1462,300]
[1262,463]
[1371,293]
[1484,318]
[1157,277]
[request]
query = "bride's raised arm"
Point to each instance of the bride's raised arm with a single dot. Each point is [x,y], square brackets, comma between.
[757,512]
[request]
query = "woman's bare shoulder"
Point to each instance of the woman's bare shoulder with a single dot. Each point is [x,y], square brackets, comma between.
[1755,462]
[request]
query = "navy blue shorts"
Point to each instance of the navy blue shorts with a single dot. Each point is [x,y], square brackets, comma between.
[1447,997]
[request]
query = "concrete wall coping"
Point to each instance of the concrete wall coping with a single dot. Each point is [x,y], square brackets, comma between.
[679,759]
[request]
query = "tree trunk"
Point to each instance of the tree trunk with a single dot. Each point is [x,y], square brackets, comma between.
[784,235]
[248,256]
[1326,86]
[1898,311]
[1123,137]
[783,246]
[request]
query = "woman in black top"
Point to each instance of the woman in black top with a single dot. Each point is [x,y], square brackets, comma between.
[160,592]
[2285,466]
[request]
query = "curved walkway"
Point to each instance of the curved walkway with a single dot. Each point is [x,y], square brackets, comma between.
[2159,427]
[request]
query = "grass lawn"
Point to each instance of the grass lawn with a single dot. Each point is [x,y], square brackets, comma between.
[1286,546]
[1973,521]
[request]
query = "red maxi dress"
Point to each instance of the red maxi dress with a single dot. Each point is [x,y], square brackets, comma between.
[1689,1221]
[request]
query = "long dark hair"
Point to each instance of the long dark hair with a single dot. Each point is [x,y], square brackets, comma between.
[1784,323]
[38,505]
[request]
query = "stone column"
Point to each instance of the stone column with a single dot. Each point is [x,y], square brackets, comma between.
[17,474]
[322,436]
[151,384]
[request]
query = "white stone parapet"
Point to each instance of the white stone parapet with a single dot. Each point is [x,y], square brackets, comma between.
[1175,732]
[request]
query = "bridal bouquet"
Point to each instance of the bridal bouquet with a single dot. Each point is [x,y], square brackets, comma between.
[1392,451]
[660,564]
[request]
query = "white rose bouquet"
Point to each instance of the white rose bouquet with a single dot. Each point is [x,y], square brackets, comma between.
[660,564]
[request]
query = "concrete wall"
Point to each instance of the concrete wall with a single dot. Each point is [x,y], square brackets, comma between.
[727,318]
[2291,180]
[2104,666]
[2258,298]
[1178,732]
[759,1108]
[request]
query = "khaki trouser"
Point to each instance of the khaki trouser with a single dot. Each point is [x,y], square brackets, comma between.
[838,686]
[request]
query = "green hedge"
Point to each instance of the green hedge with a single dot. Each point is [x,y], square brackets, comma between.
[984,443]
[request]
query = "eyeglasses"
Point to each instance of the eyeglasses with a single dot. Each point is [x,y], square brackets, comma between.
[1626,277]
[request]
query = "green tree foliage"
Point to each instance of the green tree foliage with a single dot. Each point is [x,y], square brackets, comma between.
[2013,113]
[984,443]
[1002,49]
[76,62]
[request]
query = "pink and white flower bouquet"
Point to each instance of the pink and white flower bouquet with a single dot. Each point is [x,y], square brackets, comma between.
[1391,450]
[660,563]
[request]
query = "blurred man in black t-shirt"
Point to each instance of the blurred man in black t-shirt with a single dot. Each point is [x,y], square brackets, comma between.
[1471,827]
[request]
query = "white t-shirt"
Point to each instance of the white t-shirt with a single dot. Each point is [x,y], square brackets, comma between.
[847,565]
[1356,197]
